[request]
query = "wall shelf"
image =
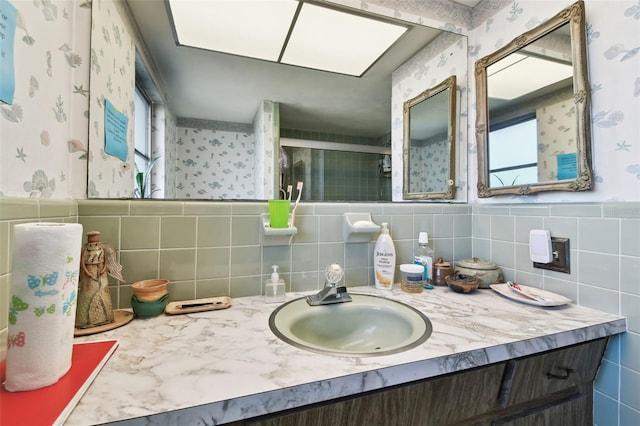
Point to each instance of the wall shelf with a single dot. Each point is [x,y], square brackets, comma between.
[275,236]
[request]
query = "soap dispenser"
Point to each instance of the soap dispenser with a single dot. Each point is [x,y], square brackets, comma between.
[274,288]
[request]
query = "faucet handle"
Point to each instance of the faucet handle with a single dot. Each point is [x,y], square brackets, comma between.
[333,273]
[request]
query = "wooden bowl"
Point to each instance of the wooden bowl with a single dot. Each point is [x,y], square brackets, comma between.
[462,283]
[150,290]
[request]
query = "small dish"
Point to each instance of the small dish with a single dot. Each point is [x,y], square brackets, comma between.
[150,290]
[462,283]
[547,298]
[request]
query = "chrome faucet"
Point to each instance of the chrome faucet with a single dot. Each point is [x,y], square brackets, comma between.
[332,291]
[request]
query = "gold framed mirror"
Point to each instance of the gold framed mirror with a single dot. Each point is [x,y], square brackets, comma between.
[429,141]
[533,111]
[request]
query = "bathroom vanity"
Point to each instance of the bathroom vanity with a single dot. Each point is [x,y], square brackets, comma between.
[489,360]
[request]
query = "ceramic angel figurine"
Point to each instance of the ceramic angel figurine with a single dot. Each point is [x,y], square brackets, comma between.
[94,297]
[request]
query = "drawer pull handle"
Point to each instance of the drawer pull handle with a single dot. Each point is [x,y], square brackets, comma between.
[563,375]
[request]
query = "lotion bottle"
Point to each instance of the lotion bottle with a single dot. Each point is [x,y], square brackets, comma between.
[384,260]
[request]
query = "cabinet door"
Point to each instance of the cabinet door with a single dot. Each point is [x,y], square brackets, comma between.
[576,412]
[434,402]
[543,375]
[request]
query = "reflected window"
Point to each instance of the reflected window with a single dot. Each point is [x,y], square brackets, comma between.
[142,136]
[513,156]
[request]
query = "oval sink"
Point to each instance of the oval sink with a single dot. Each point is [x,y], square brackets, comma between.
[366,326]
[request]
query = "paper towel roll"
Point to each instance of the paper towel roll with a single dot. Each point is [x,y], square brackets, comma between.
[42,303]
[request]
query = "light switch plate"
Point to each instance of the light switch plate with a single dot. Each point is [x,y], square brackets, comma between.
[560,263]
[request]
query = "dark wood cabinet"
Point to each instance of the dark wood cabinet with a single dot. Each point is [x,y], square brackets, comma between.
[550,388]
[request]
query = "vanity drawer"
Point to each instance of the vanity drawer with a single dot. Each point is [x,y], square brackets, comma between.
[545,374]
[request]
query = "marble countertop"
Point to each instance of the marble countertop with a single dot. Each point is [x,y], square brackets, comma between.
[220,366]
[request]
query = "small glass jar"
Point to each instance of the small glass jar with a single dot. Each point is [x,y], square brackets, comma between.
[411,278]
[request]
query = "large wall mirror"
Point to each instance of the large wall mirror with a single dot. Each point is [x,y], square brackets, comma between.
[213,99]
[429,143]
[533,111]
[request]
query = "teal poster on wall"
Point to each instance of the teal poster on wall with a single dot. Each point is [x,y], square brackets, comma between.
[8,14]
[115,132]
[567,166]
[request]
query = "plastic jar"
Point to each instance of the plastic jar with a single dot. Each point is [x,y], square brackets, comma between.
[411,278]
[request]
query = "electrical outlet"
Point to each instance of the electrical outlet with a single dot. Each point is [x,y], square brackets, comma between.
[560,263]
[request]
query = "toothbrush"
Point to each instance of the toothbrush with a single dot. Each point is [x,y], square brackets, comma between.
[295,206]
[289,191]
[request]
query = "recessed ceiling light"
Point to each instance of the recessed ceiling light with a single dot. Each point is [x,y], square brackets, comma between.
[318,37]
[254,28]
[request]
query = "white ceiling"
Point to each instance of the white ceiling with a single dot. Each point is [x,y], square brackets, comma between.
[207,85]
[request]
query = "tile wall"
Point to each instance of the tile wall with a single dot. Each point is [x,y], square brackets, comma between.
[213,248]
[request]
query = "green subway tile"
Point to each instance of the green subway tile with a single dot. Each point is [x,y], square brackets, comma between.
[397,208]
[245,230]
[481,226]
[322,209]
[57,208]
[139,232]
[304,257]
[178,232]
[503,228]
[630,238]
[307,229]
[212,288]
[305,281]
[443,226]
[178,264]
[207,208]
[426,208]
[530,210]
[214,231]
[599,270]
[629,210]
[245,261]
[103,207]
[249,208]
[599,235]
[373,208]
[356,256]
[401,227]
[108,226]
[138,265]
[212,263]
[563,227]
[330,228]
[148,207]
[181,290]
[493,210]
[245,286]
[356,277]
[18,208]
[576,210]
[462,225]
[277,255]
[329,253]
[524,225]
[124,297]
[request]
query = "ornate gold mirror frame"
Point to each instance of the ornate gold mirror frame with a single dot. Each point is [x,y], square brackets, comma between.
[574,17]
[448,88]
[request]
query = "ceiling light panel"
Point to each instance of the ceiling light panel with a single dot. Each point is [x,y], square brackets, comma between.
[507,81]
[254,28]
[336,41]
